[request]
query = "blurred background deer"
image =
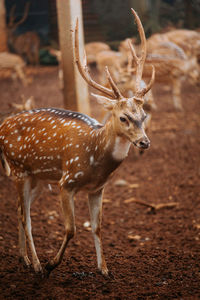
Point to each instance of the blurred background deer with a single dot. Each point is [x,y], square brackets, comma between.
[14,108]
[26,45]
[15,64]
[173,65]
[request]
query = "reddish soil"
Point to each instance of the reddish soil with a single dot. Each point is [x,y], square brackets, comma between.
[150,254]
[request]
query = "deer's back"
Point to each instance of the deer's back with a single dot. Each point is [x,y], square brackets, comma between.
[45,142]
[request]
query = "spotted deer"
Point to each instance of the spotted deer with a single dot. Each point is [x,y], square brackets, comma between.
[188,40]
[75,152]
[173,67]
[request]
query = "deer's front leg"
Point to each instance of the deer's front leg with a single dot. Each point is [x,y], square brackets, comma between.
[95,207]
[69,222]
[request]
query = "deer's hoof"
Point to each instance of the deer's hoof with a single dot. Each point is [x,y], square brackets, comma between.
[25,261]
[49,268]
[38,268]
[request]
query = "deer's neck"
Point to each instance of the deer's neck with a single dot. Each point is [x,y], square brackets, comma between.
[106,151]
[117,146]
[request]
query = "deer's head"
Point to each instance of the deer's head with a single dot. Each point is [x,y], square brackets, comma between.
[127,114]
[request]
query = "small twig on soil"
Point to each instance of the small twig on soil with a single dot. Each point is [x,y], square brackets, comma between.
[153,207]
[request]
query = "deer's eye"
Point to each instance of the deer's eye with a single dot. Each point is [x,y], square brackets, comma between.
[122,119]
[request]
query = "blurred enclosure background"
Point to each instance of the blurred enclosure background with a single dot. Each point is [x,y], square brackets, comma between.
[109,21]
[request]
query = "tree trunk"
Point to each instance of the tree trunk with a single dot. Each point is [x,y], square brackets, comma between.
[3,31]
[75,88]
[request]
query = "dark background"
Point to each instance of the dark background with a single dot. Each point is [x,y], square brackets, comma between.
[107,20]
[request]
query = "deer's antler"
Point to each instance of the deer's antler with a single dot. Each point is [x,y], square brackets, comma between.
[113,93]
[12,15]
[139,61]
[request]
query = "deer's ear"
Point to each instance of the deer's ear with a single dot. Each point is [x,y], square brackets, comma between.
[106,102]
[139,101]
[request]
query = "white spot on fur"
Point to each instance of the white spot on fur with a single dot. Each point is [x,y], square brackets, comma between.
[70,181]
[78,174]
[91,160]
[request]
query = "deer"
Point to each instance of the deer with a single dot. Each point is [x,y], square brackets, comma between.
[93,48]
[115,60]
[173,66]
[14,108]
[27,44]
[73,151]
[26,104]
[14,62]
[188,40]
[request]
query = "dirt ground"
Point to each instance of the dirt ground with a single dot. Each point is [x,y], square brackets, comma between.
[151,254]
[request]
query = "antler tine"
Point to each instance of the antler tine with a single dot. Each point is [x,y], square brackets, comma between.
[12,15]
[139,60]
[145,90]
[85,72]
[25,15]
[113,85]
[135,58]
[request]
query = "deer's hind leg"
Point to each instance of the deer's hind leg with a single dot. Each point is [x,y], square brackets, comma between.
[67,202]
[23,256]
[27,190]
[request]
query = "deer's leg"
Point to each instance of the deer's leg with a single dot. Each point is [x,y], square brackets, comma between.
[21,75]
[95,207]
[22,236]
[22,239]
[69,223]
[176,93]
[26,196]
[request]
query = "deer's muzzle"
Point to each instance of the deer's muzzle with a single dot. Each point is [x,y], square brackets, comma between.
[143,143]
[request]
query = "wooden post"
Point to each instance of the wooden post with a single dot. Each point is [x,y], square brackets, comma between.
[75,89]
[3,31]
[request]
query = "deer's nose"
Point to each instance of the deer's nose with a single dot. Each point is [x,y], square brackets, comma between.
[143,143]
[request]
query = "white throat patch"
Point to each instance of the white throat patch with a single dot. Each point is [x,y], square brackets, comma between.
[121,148]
